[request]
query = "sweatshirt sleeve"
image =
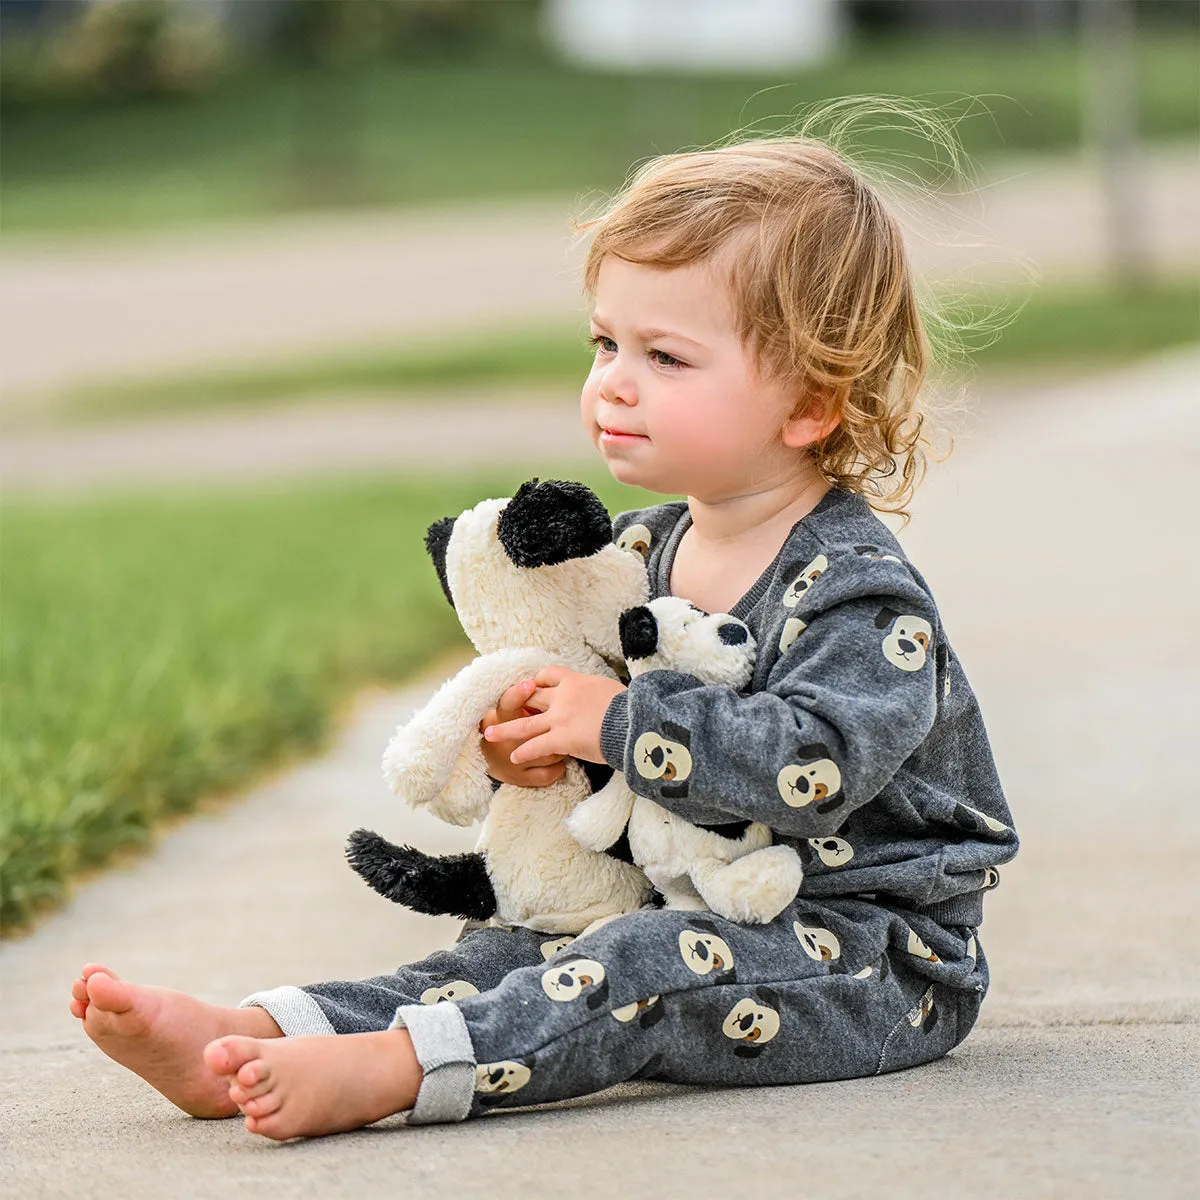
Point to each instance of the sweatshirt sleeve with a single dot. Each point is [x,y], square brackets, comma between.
[849,697]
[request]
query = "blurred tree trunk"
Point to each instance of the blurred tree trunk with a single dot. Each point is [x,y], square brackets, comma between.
[1111,130]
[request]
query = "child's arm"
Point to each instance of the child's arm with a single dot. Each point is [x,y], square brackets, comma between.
[850,699]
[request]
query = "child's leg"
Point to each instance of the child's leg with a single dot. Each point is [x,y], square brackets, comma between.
[160,1034]
[479,961]
[830,991]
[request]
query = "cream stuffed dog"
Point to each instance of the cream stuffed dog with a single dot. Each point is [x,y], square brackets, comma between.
[535,580]
[731,869]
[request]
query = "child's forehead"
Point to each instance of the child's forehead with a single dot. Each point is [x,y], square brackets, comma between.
[693,300]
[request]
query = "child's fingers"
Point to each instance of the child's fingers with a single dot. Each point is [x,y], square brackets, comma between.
[513,700]
[548,760]
[533,748]
[518,730]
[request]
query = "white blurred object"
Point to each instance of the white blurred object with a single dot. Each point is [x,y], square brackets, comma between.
[693,34]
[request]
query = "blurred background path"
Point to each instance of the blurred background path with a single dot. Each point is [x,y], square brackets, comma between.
[1083,1077]
[88,308]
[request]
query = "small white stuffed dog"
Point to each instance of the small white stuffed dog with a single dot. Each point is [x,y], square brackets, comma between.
[731,869]
[535,580]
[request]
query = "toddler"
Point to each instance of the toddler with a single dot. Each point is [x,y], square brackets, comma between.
[758,349]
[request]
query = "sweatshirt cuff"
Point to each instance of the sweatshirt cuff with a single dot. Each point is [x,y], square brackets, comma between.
[614,731]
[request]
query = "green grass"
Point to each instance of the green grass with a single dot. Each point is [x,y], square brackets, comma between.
[157,650]
[405,133]
[1060,327]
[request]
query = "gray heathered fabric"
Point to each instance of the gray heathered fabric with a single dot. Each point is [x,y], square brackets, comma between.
[443,1048]
[918,783]
[293,1010]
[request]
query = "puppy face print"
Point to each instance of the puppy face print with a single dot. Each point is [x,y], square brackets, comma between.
[575,977]
[800,585]
[907,639]
[663,756]
[818,943]
[964,814]
[814,782]
[923,1015]
[752,1022]
[941,661]
[832,851]
[457,990]
[704,952]
[918,949]
[880,969]
[793,627]
[875,554]
[499,1079]
[637,538]
[991,877]
[647,1012]
[550,949]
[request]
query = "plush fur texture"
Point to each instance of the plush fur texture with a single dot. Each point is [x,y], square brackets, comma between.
[731,869]
[535,580]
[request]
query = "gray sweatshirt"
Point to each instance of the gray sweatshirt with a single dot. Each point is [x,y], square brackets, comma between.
[859,741]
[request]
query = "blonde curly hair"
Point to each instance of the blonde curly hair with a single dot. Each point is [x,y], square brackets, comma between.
[821,286]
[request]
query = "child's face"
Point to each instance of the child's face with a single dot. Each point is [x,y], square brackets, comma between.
[684,411]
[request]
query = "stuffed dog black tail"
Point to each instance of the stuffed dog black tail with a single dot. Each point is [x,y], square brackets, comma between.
[457,884]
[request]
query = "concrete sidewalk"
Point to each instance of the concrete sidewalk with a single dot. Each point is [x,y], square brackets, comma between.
[1060,542]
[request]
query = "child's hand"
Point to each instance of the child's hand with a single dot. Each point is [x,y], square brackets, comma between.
[570,709]
[540,772]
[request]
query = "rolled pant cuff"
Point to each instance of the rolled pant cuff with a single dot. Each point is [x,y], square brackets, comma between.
[293,1010]
[444,1050]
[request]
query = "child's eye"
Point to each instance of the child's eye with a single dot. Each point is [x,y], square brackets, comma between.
[606,345]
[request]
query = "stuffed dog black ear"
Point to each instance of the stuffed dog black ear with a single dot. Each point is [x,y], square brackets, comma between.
[437,538]
[747,1050]
[549,523]
[885,617]
[813,751]
[768,996]
[639,632]
[674,791]
[733,633]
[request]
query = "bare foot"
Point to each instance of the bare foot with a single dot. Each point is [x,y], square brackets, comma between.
[308,1086]
[160,1035]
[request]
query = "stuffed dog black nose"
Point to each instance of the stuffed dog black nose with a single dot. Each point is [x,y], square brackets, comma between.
[552,522]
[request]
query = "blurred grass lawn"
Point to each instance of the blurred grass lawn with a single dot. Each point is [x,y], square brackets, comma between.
[1058,327]
[388,134]
[156,650]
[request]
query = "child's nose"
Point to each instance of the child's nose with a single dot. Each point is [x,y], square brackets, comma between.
[616,387]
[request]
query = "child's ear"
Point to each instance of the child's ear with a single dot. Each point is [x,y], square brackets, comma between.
[814,418]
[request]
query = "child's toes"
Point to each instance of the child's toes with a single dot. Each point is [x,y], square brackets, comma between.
[252,1074]
[239,1093]
[90,969]
[262,1106]
[78,1008]
[79,990]
[228,1055]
